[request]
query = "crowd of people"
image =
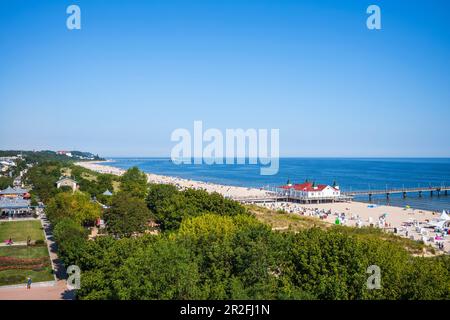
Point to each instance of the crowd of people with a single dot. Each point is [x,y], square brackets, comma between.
[412,229]
[341,218]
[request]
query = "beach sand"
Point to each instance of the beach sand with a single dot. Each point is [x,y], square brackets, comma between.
[395,215]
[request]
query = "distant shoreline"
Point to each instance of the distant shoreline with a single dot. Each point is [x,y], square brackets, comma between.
[397,217]
[225,190]
[103,166]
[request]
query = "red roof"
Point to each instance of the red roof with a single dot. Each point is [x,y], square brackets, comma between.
[307,186]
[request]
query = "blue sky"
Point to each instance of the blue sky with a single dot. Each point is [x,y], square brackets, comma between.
[137,70]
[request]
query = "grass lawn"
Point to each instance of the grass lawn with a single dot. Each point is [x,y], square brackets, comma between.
[14,276]
[11,277]
[24,252]
[20,230]
[286,221]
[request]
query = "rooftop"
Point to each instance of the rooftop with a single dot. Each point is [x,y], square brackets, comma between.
[65,178]
[13,191]
[6,203]
[307,186]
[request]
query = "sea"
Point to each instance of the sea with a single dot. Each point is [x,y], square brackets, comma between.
[350,174]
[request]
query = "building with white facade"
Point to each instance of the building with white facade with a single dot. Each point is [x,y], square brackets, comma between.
[309,192]
[67,182]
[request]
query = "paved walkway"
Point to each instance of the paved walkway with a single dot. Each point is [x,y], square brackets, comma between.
[57,291]
[16,219]
[43,291]
[19,243]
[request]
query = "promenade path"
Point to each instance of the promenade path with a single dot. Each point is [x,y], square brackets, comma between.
[52,290]
[17,244]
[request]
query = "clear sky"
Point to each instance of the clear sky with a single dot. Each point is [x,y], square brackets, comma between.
[137,70]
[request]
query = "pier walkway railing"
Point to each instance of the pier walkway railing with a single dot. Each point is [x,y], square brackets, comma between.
[404,191]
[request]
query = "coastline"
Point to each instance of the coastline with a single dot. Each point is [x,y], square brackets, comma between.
[226,191]
[409,222]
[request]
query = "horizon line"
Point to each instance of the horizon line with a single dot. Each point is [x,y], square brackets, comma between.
[296,157]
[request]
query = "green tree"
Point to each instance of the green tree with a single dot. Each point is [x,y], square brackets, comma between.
[428,279]
[70,237]
[127,215]
[163,270]
[134,182]
[171,206]
[236,256]
[5,182]
[77,206]
[43,177]
[100,261]
[158,193]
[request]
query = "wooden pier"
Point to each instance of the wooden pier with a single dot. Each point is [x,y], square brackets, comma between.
[432,190]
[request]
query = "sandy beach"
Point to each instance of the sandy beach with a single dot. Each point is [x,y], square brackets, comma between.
[410,223]
[354,210]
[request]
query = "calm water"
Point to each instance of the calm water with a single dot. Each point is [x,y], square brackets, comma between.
[350,174]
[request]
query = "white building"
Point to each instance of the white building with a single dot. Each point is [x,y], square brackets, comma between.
[67,182]
[309,190]
[64,153]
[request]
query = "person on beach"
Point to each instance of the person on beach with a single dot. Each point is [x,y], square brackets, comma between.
[28,283]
